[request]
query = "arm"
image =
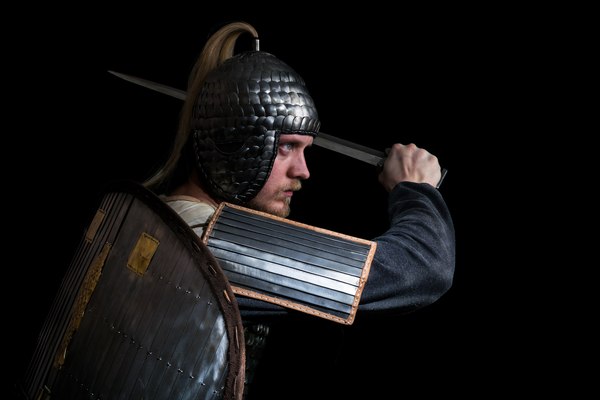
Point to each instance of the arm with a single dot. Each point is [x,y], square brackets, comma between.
[414,262]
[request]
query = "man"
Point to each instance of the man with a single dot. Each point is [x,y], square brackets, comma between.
[246,123]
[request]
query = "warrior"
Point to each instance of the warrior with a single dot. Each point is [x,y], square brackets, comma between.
[246,122]
[158,305]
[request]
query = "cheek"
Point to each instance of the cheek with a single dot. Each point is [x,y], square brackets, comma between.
[275,176]
[278,170]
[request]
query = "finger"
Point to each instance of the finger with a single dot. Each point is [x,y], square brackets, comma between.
[387,153]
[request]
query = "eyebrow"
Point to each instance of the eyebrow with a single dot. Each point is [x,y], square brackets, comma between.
[289,139]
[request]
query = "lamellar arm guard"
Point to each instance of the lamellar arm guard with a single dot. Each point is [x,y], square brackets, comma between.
[297,266]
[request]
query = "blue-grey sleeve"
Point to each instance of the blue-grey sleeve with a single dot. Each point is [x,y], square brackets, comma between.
[414,262]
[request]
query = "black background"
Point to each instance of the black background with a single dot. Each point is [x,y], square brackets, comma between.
[435,77]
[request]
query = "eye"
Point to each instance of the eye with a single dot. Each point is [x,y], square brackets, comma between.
[286,147]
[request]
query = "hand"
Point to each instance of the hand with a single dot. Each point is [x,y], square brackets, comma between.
[408,163]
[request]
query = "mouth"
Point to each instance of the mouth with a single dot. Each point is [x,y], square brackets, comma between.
[289,192]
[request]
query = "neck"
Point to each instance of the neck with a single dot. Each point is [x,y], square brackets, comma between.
[192,187]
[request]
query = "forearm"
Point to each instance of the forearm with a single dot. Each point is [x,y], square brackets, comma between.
[414,262]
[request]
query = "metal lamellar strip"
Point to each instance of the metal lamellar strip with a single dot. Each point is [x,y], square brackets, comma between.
[298,266]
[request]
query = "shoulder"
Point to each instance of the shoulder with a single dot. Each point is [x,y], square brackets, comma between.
[193,211]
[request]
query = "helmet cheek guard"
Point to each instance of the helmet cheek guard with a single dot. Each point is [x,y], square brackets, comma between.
[243,107]
[238,175]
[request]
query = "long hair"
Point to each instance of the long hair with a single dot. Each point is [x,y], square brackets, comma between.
[219,47]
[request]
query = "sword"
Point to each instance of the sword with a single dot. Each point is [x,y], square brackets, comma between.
[351,149]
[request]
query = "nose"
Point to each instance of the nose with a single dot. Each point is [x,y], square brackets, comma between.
[299,169]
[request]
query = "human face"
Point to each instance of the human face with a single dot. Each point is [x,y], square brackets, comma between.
[289,169]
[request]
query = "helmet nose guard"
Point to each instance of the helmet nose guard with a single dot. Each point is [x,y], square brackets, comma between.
[243,107]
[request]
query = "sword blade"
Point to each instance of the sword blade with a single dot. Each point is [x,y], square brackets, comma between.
[351,149]
[354,150]
[324,140]
[159,87]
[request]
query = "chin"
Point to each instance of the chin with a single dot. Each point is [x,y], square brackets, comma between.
[284,213]
[279,208]
[280,211]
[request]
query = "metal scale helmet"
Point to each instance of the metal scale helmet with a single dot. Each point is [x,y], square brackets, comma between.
[244,105]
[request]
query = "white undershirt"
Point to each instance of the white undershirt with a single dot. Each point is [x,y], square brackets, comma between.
[194,212]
